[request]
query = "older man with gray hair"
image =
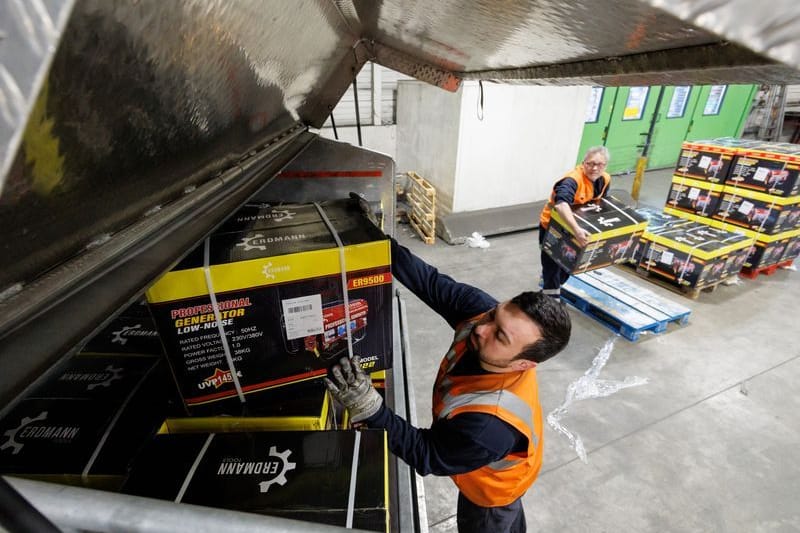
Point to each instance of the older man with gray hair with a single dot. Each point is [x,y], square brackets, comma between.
[585,183]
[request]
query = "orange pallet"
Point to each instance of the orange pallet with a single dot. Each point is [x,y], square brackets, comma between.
[752,273]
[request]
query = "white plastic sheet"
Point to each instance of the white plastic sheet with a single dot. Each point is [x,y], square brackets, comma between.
[586,387]
[476,240]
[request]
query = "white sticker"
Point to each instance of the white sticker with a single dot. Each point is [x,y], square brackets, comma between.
[761,174]
[667,257]
[746,207]
[302,316]
[704,162]
[694,192]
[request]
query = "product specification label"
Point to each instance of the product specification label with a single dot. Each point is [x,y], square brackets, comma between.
[302,316]
[761,174]
[745,207]
[667,257]
[704,162]
[694,192]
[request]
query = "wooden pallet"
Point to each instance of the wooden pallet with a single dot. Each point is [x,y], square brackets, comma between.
[752,273]
[621,305]
[421,197]
[684,290]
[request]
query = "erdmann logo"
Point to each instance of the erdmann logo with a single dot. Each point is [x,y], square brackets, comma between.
[218,379]
[269,271]
[275,467]
[27,431]
[95,379]
[276,215]
[121,335]
[260,242]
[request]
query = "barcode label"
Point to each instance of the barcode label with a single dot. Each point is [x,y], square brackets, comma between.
[302,316]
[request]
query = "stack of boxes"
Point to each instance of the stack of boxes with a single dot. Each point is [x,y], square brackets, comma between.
[246,324]
[740,191]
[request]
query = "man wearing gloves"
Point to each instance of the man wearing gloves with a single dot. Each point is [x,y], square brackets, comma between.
[487,421]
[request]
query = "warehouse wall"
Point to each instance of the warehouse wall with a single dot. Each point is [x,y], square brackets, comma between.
[528,137]
[381,139]
[428,121]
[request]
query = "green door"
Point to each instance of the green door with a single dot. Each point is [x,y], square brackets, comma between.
[598,114]
[721,111]
[672,124]
[630,121]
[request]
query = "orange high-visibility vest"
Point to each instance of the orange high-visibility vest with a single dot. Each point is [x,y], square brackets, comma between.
[512,397]
[583,195]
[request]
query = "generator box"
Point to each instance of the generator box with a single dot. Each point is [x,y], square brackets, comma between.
[302,406]
[763,213]
[262,302]
[773,170]
[693,196]
[708,160]
[86,423]
[614,230]
[693,254]
[303,475]
[767,250]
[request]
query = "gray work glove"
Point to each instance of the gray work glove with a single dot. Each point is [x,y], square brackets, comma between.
[353,389]
[357,200]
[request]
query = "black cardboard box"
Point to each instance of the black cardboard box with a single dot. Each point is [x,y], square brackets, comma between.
[692,196]
[279,292]
[772,169]
[85,425]
[305,406]
[759,212]
[691,253]
[709,160]
[132,332]
[614,230]
[303,475]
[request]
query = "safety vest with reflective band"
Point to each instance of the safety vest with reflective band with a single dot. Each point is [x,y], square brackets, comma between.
[583,195]
[512,397]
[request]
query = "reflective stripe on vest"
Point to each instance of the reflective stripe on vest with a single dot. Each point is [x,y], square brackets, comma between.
[499,398]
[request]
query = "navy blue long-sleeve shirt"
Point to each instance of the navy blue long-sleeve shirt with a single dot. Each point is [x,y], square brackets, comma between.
[466,441]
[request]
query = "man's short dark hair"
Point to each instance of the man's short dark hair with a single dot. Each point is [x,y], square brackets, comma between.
[552,318]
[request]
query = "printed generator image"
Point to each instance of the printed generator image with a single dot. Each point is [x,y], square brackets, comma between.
[333,340]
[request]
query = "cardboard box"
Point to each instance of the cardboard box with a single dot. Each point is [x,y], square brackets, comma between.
[614,230]
[709,160]
[303,475]
[692,196]
[693,254]
[304,406]
[85,425]
[773,170]
[278,288]
[767,250]
[759,212]
[132,332]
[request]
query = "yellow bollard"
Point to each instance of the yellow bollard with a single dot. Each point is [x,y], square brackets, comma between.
[641,164]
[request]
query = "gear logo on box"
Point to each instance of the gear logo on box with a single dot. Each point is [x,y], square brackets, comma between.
[12,443]
[280,478]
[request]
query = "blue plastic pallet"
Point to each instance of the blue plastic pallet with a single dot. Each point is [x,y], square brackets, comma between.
[621,305]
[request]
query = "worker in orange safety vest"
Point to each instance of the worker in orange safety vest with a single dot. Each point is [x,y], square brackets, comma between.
[487,430]
[585,183]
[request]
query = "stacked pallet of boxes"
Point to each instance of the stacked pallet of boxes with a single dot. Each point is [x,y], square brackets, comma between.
[87,420]
[747,187]
[211,392]
[251,320]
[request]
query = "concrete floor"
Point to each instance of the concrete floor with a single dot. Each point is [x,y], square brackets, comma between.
[710,444]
